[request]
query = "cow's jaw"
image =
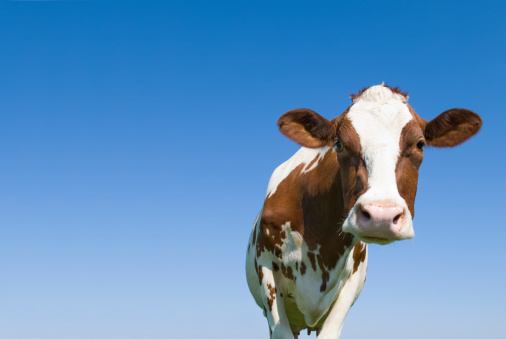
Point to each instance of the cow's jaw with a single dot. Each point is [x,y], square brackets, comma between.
[380,215]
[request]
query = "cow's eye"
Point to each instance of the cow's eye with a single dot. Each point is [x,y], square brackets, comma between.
[338,146]
[420,145]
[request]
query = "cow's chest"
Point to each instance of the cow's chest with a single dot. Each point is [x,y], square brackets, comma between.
[308,283]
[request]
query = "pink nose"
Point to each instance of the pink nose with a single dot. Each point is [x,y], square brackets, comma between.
[380,220]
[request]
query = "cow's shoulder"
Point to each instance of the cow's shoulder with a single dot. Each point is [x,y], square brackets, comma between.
[292,171]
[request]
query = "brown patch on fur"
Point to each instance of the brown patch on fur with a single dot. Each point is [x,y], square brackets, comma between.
[272,295]
[359,251]
[307,128]
[260,274]
[452,127]
[302,268]
[288,272]
[419,120]
[406,174]
[323,207]
[348,136]
[313,204]
[297,266]
[270,237]
[408,163]
[355,177]
[275,266]
[354,173]
[298,133]
[325,279]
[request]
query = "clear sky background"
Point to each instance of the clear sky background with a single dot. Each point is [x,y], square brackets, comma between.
[137,139]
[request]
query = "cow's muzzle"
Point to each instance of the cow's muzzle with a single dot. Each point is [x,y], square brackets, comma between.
[379,222]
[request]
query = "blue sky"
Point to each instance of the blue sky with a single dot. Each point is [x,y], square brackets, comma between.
[139,136]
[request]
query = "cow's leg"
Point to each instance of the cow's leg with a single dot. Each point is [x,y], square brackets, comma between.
[273,305]
[333,325]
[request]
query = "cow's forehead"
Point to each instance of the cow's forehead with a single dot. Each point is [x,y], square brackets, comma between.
[378,116]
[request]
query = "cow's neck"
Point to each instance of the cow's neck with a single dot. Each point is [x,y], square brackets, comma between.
[306,195]
[324,212]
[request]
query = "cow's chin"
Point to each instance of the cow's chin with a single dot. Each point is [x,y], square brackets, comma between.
[376,240]
[372,240]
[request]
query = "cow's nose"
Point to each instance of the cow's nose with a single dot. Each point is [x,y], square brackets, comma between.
[380,219]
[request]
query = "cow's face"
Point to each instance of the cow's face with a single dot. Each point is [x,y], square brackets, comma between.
[379,143]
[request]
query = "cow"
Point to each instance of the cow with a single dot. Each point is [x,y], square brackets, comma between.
[353,182]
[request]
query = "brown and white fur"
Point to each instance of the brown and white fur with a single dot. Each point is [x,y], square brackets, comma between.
[353,182]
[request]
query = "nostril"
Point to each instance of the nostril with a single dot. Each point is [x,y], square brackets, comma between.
[364,214]
[396,219]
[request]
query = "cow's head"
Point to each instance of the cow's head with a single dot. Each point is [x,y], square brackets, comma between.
[379,143]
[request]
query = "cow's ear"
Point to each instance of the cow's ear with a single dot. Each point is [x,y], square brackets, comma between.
[307,128]
[452,127]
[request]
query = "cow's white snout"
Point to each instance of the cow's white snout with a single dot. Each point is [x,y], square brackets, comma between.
[381,220]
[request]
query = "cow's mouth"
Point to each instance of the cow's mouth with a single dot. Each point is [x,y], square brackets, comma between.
[373,240]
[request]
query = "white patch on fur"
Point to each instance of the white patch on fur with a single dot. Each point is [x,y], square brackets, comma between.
[251,275]
[348,294]
[292,245]
[378,116]
[310,301]
[304,294]
[303,156]
[379,94]
[276,317]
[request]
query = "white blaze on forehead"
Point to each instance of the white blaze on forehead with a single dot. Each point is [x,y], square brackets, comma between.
[378,116]
[379,94]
